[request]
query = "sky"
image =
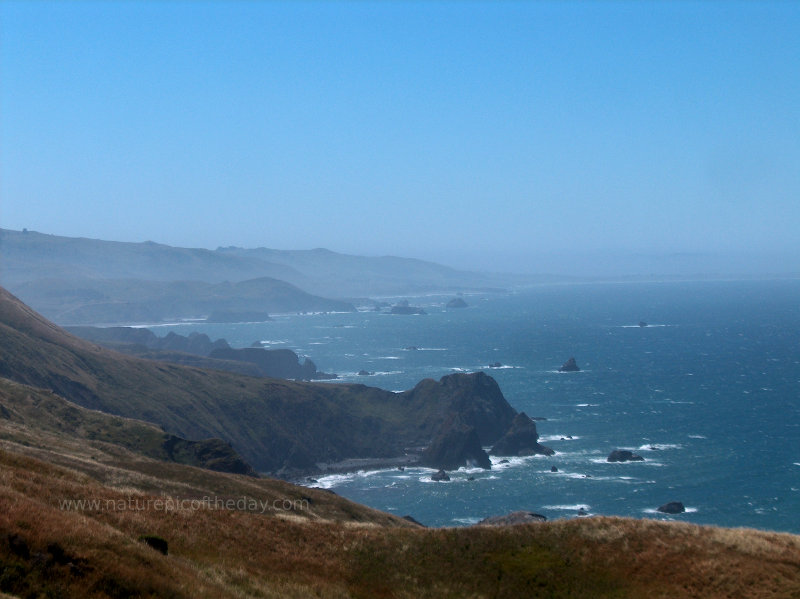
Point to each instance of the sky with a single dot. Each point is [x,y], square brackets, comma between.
[496,135]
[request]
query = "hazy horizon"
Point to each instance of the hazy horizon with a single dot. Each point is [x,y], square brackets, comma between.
[566,137]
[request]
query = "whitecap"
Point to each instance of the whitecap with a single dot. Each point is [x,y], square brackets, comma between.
[688,510]
[697,437]
[467,521]
[547,438]
[572,508]
[658,446]
[333,480]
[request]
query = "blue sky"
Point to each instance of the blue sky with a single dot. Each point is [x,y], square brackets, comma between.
[471,133]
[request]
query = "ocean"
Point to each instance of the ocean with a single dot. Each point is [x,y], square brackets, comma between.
[708,393]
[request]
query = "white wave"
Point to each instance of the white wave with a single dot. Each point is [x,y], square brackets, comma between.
[509,462]
[388,358]
[649,326]
[571,508]
[273,342]
[587,405]
[547,438]
[334,480]
[697,437]
[467,521]
[427,479]
[688,510]
[646,462]
[658,446]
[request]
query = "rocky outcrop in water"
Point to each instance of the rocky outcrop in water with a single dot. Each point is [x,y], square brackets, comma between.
[456,302]
[569,366]
[673,507]
[521,439]
[623,455]
[403,307]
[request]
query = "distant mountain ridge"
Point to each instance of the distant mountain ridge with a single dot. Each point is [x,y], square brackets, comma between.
[89,281]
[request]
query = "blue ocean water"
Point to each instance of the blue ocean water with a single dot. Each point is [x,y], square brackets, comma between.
[708,394]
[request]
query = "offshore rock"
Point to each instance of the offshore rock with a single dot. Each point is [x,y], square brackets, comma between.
[623,455]
[440,476]
[569,366]
[456,303]
[673,507]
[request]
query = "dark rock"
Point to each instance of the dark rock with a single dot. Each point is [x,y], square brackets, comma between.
[471,478]
[18,546]
[406,309]
[475,398]
[521,439]
[365,373]
[413,521]
[456,445]
[275,363]
[582,512]
[553,469]
[155,542]
[401,468]
[503,462]
[623,455]
[412,348]
[512,519]
[642,323]
[569,366]
[673,507]
[456,302]
[495,365]
[440,476]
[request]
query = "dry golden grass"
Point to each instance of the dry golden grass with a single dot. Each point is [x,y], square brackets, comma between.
[235,553]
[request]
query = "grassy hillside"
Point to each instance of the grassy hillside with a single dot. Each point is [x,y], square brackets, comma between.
[276,425]
[64,533]
[25,408]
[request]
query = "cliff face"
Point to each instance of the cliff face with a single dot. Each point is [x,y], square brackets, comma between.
[475,397]
[457,445]
[274,424]
[521,439]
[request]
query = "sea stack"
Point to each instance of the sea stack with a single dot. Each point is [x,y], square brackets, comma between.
[569,366]
[624,455]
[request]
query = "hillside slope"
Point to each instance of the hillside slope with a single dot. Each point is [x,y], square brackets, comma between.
[68,531]
[276,425]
